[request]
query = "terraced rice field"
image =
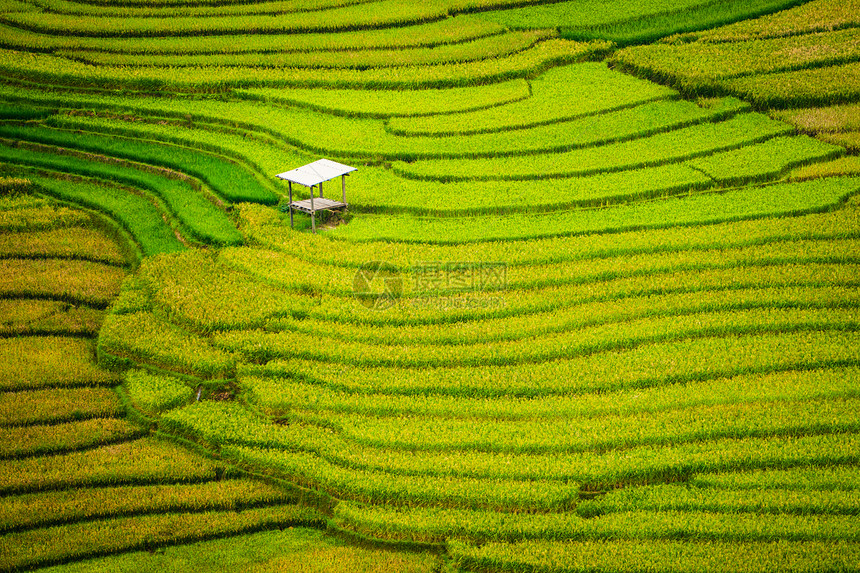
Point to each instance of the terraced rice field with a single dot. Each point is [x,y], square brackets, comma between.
[593,306]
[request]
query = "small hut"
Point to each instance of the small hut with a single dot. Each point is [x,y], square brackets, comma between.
[313,175]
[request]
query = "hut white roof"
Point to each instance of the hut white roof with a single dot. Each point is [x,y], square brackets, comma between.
[317,172]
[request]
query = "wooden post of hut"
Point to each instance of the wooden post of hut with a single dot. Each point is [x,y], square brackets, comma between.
[310,176]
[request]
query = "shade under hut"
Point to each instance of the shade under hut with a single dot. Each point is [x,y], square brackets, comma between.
[314,175]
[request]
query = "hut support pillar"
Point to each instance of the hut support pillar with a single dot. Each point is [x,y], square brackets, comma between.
[343,188]
[313,211]
[290,184]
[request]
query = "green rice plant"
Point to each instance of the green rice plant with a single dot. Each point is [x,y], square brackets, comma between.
[155,393]
[588,131]
[766,160]
[54,70]
[599,433]
[345,137]
[703,17]
[697,209]
[593,130]
[71,243]
[701,63]
[29,213]
[662,556]
[225,426]
[136,214]
[222,427]
[58,405]
[551,297]
[216,423]
[709,525]
[804,478]
[385,13]
[33,316]
[54,507]
[21,441]
[49,361]
[460,28]
[75,281]
[20,112]
[287,548]
[95,538]
[142,337]
[260,346]
[646,366]
[809,17]
[134,296]
[197,8]
[279,397]
[230,181]
[495,316]
[439,199]
[255,150]
[408,490]
[592,12]
[672,497]
[141,461]
[390,103]
[494,46]
[200,218]
[547,472]
[438,524]
[565,309]
[684,143]
[817,86]
[266,228]
[599,89]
